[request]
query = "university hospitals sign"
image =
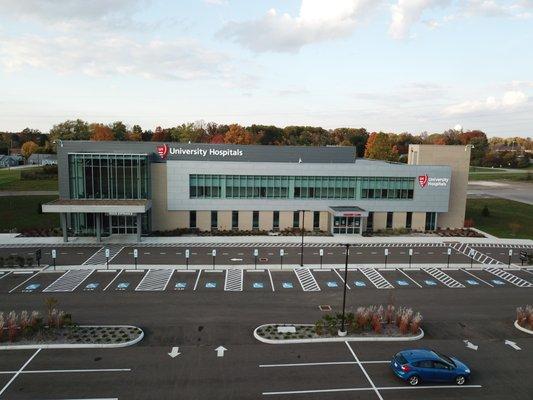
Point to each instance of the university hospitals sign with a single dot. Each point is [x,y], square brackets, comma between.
[165,150]
[426,180]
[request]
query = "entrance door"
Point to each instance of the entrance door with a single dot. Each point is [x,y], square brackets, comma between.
[347,225]
[123,224]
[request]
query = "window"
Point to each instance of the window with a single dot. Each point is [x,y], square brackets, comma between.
[424,364]
[440,365]
[409,220]
[431,220]
[214,219]
[255,220]
[234,220]
[316,220]
[370,222]
[192,219]
[296,219]
[275,222]
[389,220]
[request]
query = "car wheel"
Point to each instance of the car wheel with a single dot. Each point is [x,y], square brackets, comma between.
[414,380]
[460,380]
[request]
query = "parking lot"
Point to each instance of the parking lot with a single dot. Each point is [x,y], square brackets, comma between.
[86,279]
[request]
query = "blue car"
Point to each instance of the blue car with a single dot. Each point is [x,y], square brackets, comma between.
[417,365]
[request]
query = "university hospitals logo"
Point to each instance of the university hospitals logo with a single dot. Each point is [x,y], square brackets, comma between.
[162,151]
[423,180]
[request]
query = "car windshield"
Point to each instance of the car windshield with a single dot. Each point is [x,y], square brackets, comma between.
[446,358]
[401,359]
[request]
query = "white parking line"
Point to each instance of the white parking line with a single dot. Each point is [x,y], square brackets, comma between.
[62,371]
[341,278]
[321,363]
[415,282]
[113,280]
[4,275]
[479,279]
[20,284]
[364,371]
[368,389]
[197,279]
[271,280]
[18,372]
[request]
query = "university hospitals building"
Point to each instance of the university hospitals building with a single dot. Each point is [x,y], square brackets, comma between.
[109,188]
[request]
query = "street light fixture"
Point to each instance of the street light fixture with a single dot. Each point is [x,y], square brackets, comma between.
[303,230]
[342,331]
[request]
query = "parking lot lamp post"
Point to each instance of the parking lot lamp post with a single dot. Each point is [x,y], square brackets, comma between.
[303,231]
[342,331]
[510,255]
[38,254]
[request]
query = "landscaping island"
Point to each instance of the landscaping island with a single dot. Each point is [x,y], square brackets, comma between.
[524,319]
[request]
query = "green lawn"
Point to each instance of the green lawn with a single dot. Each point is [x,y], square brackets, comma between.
[499,176]
[10,180]
[502,214]
[21,212]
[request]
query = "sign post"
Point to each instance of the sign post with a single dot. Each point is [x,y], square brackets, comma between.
[342,331]
[187,255]
[135,256]
[281,253]
[449,254]
[386,256]
[510,255]
[214,255]
[256,254]
[321,252]
[523,256]
[54,255]
[106,258]
[471,254]
[410,255]
[38,255]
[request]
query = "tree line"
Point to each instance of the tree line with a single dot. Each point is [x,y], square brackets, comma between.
[507,152]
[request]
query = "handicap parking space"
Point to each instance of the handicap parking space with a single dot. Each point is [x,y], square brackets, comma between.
[327,279]
[398,279]
[285,280]
[210,280]
[257,281]
[97,281]
[38,282]
[126,281]
[356,279]
[473,277]
[421,277]
[11,280]
[182,280]
[522,273]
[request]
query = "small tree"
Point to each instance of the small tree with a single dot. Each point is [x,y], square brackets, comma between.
[50,303]
[485,211]
[515,227]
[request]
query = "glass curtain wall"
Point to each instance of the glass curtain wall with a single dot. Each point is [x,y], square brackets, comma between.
[299,187]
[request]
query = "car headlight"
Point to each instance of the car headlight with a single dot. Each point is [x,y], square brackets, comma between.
[467,371]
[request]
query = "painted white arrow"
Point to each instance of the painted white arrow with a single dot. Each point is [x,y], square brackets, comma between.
[470,345]
[220,351]
[512,344]
[174,352]
[235,259]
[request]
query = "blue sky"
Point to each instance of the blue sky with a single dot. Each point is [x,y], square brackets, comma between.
[398,65]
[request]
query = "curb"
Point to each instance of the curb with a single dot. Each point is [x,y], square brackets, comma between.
[337,339]
[521,328]
[80,346]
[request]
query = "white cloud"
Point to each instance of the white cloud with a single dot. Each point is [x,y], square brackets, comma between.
[406,13]
[216,2]
[317,21]
[113,55]
[509,101]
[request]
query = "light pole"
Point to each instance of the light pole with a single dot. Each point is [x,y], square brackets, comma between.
[303,230]
[342,331]
[510,255]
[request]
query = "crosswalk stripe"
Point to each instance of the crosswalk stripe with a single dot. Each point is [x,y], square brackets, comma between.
[155,280]
[443,278]
[306,279]
[376,278]
[233,282]
[69,281]
[99,257]
[515,280]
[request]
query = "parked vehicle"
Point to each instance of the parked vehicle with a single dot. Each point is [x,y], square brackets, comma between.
[424,365]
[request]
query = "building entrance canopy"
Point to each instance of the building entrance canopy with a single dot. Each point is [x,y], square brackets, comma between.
[348,211]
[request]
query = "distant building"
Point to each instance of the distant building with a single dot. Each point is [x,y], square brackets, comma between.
[42,159]
[9,161]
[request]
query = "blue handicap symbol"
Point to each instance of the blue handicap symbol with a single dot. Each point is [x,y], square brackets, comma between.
[92,286]
[430,282]
[287,285]
[211,285]
[258,285]
[180,285]
[498,282]
[472,282]
[359,283]
[332,284]
[123,285]
[403,283]
[32,287]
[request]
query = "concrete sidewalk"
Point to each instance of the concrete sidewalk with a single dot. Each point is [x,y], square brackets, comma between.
[11,239]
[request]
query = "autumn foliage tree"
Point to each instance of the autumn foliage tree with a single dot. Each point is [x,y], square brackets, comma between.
[101,132]
[381,146]
[28,149]
[237,135]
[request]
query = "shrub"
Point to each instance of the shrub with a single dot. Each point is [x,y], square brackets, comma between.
[2,325]
[415,323]
[485,211]
[12,327]
[319,327]
[524,316]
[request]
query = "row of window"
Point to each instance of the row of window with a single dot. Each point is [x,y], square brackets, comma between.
[255,220]
[299,187]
